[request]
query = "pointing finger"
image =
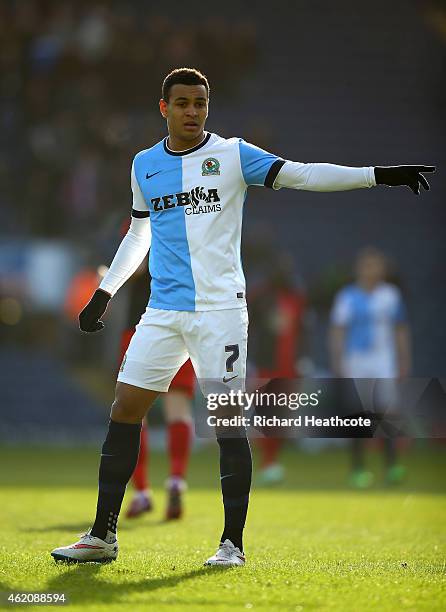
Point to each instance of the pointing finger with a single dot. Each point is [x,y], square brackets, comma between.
[423,181]
[415,187]
[425,168]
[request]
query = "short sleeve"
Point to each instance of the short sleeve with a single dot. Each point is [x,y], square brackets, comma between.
[258,166]
[139,206]
[341,310]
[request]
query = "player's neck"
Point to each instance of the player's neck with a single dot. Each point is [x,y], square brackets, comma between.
[177,144]
[368,286]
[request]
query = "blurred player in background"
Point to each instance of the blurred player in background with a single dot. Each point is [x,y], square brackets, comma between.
[189,190]
[276,309]
[177,411]
[369,339]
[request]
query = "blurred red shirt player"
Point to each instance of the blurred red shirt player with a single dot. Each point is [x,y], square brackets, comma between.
[177,410]
[276,309]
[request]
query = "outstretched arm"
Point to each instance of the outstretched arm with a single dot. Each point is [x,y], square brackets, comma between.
[331,177]
[131,252]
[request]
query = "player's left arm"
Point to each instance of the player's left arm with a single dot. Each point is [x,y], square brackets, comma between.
[331,177]
[259,167]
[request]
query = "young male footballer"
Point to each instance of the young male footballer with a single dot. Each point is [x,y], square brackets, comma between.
[188,195]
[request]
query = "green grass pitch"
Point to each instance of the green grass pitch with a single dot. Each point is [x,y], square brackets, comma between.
[311,544]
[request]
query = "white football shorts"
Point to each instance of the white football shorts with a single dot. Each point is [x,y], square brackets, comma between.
[375,380]
[215,340]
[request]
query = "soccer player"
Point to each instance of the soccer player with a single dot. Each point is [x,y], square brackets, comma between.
[188,196]
[276,309]
[370,339]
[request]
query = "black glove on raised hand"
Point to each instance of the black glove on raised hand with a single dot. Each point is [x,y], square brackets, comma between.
[403,175]
[90,315]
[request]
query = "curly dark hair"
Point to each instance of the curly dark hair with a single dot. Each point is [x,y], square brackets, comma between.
[183,76]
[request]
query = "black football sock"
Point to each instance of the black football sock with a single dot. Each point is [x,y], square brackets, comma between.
[390,452]
[235,476]
[357,454]
[118,460]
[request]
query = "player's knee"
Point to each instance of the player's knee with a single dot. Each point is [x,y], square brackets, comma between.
[125,412]
[130,404]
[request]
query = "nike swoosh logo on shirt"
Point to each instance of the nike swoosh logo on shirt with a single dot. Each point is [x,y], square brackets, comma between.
[228,379]
[150,175]
[226,476]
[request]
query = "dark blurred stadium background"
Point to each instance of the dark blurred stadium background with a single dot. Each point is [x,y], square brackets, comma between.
[344,82]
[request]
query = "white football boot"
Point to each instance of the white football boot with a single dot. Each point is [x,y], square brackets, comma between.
[227,555]
[89,549]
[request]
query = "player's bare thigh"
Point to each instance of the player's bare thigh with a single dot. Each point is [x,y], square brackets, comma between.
[131,403]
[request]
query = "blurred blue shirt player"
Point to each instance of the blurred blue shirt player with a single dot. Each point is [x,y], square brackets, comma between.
[369,339]
[369,324]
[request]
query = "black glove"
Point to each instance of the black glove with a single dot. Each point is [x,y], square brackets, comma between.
[90,315]
[403,175]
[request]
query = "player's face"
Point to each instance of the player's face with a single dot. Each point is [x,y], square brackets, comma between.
[371,270]
[186,111]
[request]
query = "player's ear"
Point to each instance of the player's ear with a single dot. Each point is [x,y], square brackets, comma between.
[163,108]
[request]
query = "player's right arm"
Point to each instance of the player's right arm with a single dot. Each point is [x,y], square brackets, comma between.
[130,254]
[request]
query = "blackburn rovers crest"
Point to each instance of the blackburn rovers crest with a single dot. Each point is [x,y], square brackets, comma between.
[210,167]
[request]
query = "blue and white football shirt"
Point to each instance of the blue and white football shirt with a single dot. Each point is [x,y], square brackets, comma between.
[369,318]
[195,202]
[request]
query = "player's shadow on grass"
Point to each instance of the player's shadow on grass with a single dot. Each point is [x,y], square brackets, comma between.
[75,527]
[84,584]
[82,527]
